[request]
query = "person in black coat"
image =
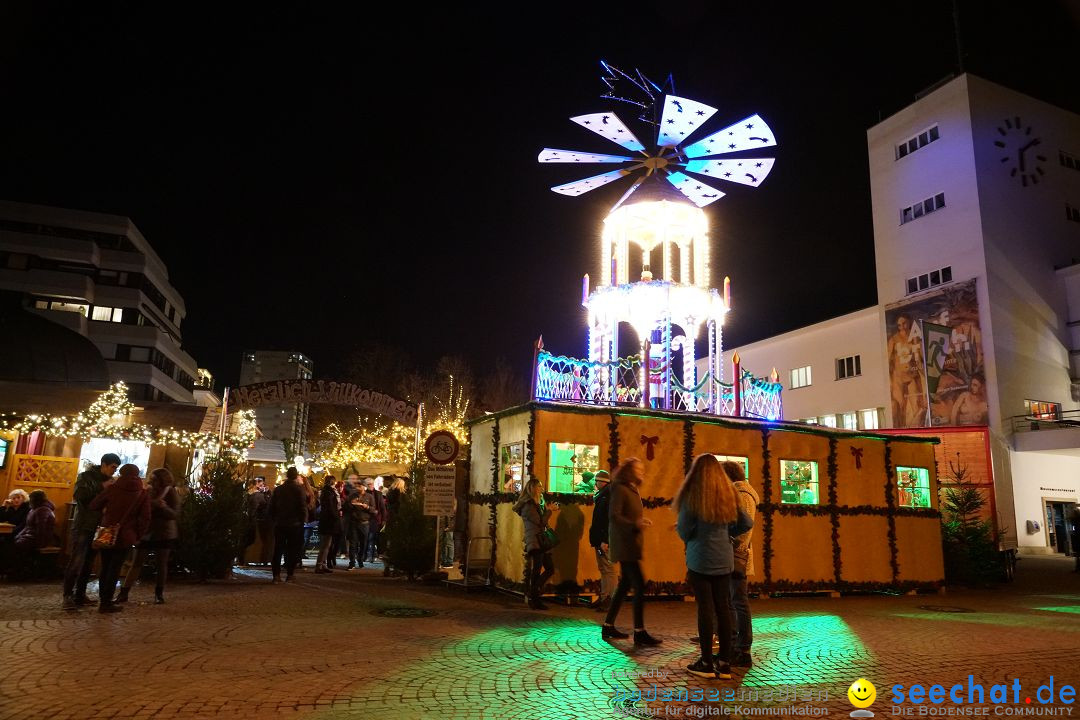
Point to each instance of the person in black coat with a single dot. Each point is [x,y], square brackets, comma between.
[288,508]
[598,538]
[329,521]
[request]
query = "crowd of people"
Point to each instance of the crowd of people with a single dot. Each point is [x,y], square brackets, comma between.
[349,516]
[715,508]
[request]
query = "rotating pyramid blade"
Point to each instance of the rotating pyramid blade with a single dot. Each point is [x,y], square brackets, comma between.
[548,155]
[579,187]
[746,171]
[750,133]
[608,125]
[699,193]
[682,117]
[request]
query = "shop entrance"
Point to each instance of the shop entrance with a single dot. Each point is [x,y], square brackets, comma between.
[1060,526]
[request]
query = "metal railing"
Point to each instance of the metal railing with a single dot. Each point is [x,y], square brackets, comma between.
[1061,419]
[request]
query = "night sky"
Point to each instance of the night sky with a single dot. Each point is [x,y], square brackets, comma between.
[320,181]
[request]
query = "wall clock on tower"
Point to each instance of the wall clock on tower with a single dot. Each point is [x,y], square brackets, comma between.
[1020,151]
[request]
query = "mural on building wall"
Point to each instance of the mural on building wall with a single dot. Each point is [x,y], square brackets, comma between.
[935,355]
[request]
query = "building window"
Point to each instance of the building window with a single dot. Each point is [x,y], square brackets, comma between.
[799,482]
[925,207]
[929,280]
[80,308]
[1068,160]
[741,459]
[1043,410]
[139,354]
[811,421]
[1072,213]
[851,421]
[249,357]
[920,140]
[800,377]
[107,314]
[848,367]
[567,461]
[869,419]
[828,420]
[913,484]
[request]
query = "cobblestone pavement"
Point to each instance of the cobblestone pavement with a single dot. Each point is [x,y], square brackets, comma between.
[319,648]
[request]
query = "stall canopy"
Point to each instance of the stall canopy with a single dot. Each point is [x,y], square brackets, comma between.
[267,451]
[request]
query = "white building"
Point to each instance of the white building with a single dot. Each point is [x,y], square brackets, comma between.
[279,422]
[97,275]
[976,208]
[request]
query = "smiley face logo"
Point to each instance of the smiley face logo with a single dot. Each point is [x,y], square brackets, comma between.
[862,693]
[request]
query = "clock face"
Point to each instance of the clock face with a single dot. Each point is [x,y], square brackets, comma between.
[1019,151]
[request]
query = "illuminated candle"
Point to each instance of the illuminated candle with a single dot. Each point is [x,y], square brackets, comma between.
[727,292]
[585,289]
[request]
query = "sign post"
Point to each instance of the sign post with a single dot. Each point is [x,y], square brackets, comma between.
[441,448]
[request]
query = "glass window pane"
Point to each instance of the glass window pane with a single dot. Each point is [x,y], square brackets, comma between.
[934,133]
[741,459]
[799,482]
[917,210]
[139,354]
[924,139]
[102,313]
[924,282]
[117,314]
[869,419]
[828,420]
[912,285]
[939,200]
[858,364]
[901,151]
[946,274]
[567,461]
[913,144]
[913,487]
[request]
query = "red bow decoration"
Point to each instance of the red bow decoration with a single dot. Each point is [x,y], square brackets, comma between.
[857,453]
[649,442]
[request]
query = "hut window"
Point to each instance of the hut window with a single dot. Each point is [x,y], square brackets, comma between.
[913,484]
[799,482]
[744,461]
[567,461]
[511,464]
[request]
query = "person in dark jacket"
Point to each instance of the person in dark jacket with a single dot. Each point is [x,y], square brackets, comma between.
[161,540]
[329,522]
[359,507]
[377,522]
[534,512]
[598,539]
[88,486]
[15,510]
[126,505]
[709,517]
[288,509]
[626,525]
[39,529]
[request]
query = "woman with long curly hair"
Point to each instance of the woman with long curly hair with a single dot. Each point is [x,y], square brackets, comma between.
[709,516]
[626,540]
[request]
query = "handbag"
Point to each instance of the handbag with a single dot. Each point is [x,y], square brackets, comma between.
[105,535]
[548,539]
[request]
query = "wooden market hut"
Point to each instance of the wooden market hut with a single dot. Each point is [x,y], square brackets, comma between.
[833,515]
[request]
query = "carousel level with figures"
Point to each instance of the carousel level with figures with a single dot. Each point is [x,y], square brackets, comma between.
[835,513]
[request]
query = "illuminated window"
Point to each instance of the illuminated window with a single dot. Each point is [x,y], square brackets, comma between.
[567,461]
[511,466]
[800,377]
[811,421]
[869,419]
[107,314]
[70,307]
[848,367]
[1043,410]
[851,421]
[799,482]
[828,420]
[744,461]
[920,140]
[914,486]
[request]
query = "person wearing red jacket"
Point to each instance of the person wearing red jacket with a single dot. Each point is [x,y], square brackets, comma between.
[125,504]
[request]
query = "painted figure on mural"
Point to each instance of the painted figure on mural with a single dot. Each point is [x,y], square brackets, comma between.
[907,373]
[971,407]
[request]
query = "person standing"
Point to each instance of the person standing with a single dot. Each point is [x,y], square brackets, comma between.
[709,518]
[88,485]
[329,523]
[359,506]
[378,517]
[164,512]
[598,538]
[534,512]
[626,526]
[742,635]
[288,509]
[126,505]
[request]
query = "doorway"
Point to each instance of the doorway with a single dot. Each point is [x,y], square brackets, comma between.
[1060,526]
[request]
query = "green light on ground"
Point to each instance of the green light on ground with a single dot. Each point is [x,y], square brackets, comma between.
[785,644]
[1074,609]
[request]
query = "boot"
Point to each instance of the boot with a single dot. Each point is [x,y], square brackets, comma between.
[159,597]
[642,637]
[122,596]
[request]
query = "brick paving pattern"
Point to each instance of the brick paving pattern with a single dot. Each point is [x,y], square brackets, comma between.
[319,648]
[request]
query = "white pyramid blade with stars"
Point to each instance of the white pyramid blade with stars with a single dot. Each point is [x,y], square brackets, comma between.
[746,171]
[749,133]
[579,187]
[682,117]
[608,125]
[699,193]
[572,156]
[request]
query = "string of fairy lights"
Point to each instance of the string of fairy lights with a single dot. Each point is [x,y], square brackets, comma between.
[109,417]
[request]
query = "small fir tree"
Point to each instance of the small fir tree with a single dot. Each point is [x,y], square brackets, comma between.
[213,520]
[970,543]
